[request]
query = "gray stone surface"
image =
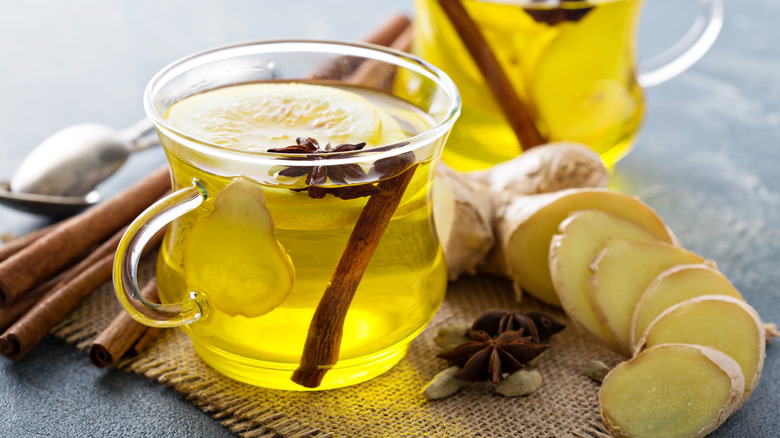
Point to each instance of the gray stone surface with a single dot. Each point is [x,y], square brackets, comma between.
[707,160]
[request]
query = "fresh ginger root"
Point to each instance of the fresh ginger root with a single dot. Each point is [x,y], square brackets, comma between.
[466,204]
[553,167]
[463,217]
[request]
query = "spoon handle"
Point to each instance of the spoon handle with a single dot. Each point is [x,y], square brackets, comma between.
[141,135]
[145,142]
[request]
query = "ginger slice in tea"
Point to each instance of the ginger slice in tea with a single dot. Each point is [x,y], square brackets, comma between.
[233,257]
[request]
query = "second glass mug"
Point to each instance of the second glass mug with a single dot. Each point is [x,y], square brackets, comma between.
[247,301]
[572,62]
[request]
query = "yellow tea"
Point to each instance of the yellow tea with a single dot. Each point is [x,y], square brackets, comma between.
[263,247]
[572,62]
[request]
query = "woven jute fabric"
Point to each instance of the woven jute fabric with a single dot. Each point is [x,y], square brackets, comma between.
[390,405]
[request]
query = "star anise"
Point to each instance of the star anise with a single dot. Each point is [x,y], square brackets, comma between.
[539,326]
[316,175]
[488,358]
[553,16]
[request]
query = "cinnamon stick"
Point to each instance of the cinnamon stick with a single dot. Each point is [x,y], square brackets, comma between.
[377,74]
[38,261]
[515,110]
[25,333]
[149,335]
[121,335]
[16,245]
[384,36]
[11,313]
[321,349]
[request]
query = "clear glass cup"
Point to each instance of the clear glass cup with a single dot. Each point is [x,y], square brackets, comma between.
[572,63]
[254,238]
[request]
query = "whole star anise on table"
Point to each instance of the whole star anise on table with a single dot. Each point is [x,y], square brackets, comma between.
[316,175]
[538,325]
[490,358]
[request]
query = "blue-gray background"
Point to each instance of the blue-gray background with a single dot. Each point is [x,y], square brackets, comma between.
[706,159]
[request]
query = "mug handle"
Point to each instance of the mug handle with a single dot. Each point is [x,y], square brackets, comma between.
[128,255]
[689,49]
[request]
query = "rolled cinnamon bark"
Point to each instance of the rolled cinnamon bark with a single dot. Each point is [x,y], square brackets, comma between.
[25,333]
[515,110]
[10,314]
[150,334]
[121,335]
[323,341]
[343,66]
[18,244]
[41,259]
[379,75]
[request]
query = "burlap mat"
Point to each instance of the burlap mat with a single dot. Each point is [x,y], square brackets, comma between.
[390,405]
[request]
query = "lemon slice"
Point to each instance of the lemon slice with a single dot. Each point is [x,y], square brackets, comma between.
[257,117]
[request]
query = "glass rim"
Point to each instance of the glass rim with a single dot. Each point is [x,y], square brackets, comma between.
[439,129]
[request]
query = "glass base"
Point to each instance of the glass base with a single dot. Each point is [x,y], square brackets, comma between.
[278,375]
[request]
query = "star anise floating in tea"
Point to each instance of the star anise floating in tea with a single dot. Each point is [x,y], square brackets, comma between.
[318,175]
[553,16]
[501,342]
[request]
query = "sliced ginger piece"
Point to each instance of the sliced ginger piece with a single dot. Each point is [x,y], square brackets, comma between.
[582,235]
[725,323]
[525,226]
[233,257]
[673,286]
[671,391]
[622,271]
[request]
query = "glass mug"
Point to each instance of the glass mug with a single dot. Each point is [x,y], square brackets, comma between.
[572,62]
[254,237]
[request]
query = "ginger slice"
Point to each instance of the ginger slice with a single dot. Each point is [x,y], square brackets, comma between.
[233,257]
[622,271]
[582,235]
[671,391]
[673,286]
[524,228]
[725,323]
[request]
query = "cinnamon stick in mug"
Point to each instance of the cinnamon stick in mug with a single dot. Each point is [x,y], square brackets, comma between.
[323,342]
[37,262]
[512,106]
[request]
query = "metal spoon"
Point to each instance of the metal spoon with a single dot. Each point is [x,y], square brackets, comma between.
[58,178]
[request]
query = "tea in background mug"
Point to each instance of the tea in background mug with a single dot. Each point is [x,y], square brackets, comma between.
[572,62]
[257,238]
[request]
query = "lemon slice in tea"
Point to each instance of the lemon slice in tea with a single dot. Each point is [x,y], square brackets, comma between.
[260,116]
